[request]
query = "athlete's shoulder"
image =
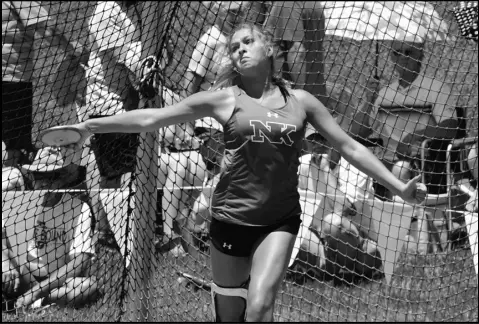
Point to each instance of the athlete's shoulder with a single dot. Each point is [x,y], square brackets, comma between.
[307,100]
[226,93]
[217,102]
[301,94]
[213,96]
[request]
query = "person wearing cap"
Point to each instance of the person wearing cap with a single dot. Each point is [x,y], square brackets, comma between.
[59,248]
[23,22]
[299,32]
[54,164]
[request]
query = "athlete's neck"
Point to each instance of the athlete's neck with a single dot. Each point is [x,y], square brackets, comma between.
[257,88]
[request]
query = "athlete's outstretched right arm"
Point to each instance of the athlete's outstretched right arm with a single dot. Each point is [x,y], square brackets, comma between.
[217,104]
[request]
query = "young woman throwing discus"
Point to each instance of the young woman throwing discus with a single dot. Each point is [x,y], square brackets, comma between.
[255,207]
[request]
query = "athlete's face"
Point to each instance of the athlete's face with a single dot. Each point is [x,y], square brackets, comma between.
[249,53]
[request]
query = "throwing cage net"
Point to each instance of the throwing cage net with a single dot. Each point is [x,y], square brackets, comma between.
[119,231]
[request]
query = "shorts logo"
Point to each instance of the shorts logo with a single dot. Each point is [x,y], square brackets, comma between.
[227,246]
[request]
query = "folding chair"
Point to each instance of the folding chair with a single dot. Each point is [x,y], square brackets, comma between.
[439,144]
[452,158]
[455,177]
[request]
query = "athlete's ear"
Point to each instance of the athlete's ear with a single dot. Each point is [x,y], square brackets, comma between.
[269,51]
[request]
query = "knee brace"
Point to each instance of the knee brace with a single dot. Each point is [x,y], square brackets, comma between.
[240,291]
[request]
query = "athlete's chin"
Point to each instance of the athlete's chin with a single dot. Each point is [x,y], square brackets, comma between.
[249,70]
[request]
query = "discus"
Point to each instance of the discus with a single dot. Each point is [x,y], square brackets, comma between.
[60,136]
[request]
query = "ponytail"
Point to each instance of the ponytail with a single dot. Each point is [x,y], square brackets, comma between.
[227,77]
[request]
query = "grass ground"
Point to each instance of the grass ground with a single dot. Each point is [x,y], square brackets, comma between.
[439,287]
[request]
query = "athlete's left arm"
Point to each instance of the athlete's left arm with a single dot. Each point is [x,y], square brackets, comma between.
[357,154]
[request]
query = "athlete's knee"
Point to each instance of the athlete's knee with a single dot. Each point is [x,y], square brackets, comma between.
[260,303]
[231,308]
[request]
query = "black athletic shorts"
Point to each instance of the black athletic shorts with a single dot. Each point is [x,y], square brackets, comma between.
[17,107]
[115,153]
[239,240]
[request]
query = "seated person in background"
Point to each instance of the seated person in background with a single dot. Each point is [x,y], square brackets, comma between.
[59,252]
[314,166]
[25,23]
[12,178]
[114,48]
[181,165]
[341,237]
[413,88]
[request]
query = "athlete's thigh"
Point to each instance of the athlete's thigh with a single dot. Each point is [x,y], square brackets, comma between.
[229,271]
[270,261]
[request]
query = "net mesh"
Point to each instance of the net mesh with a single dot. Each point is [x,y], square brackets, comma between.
[119,230]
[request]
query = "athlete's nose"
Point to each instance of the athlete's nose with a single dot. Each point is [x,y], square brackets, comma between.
[242,49]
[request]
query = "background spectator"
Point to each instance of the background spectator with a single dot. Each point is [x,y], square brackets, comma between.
[413,88]
[314,164]
[59,249]
[178,168]
[341,237]
[299,33]
[22,23]
[115,53]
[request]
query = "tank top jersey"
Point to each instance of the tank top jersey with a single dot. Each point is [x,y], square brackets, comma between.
[258,184]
